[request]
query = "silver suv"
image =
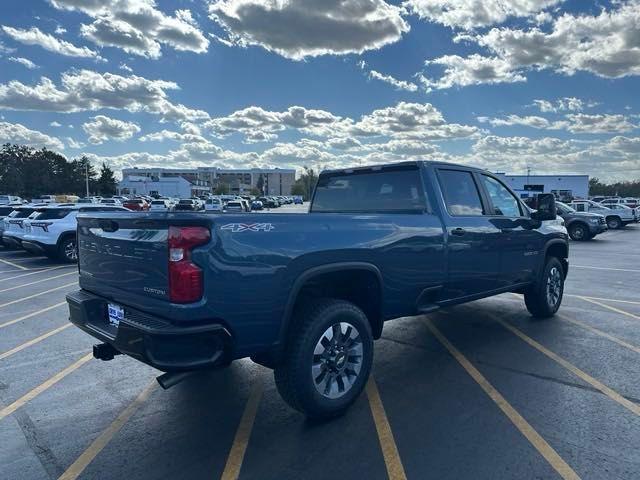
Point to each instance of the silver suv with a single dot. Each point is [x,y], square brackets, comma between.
[615,218]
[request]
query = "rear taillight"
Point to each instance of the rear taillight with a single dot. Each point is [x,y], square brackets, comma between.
[185,278]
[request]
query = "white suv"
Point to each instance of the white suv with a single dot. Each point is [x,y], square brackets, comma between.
[52,230]
[13,225]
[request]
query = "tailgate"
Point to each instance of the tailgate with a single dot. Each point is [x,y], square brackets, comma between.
[126,252]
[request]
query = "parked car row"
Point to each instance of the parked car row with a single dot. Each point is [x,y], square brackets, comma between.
[584,219]
[47,229]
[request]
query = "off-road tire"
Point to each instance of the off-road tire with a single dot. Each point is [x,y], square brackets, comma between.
[538,298]
[293,374]
[64,252]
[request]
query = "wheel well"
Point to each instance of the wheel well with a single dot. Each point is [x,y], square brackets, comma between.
[64,236]
[614,216]
[578,222]
[561,252]
[358,286]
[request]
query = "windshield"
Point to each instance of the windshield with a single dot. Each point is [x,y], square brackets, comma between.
[564,208]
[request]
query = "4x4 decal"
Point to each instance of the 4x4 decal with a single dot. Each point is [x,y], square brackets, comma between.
[248,227]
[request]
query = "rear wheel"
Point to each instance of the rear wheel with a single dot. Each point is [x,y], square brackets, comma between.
[579,232]
[614,223]
[544,298]
[68,250]
[327,358]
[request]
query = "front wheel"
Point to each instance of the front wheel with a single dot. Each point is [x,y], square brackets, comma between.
[544,298]
[579,232]
[68,250]
[327,358]
[614,223]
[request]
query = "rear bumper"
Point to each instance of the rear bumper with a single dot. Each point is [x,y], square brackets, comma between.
[149,339]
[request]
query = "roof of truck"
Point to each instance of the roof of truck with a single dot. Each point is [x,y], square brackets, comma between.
[400,164]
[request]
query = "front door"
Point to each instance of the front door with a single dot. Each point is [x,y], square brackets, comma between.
[473,259]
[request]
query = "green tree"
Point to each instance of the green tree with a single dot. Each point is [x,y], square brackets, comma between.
[106,183]
[305,183]
[222,189]
[260,184]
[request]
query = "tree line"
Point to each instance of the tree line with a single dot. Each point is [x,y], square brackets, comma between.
[622,189]
[30,173]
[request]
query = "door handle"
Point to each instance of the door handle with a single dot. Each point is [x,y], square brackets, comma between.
[458,231]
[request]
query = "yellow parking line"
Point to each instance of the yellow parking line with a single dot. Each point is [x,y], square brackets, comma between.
[601,333]
[612,394]
[44,386]
[395,469]
[40,270]
[614,309]
[32,314]
[105,437]
[539,443]
[37,281]
[33,342]
[241,439]
[37,294]
[603,299]
[11,264]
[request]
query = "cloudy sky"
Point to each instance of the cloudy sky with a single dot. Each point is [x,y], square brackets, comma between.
[553,85]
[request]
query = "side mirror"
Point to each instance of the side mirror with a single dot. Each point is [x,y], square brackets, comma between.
[545,207]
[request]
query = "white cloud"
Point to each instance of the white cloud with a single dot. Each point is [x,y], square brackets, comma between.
[137,26]
[306,28]
[606,44]
[24,62]
[55,124]
[74,144]
[527,121]
[573,122]
[126,68]
[103,128]
[60,30]
[469,14]
[398,84]
[472,70]
[163,135]
[18,133]
[34,36]
[86,90]
[572,104]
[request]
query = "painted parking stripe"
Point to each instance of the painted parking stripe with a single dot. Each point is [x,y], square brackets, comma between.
[613,309]
[592,267]
[600,333]
[11,264]
[13,302]
[40,270]
[583,297]
[241,440]
[38,281]
[612,394]
[105,437]
[32,314]
[33,342]
[539,443]
[395,469]
[44,386]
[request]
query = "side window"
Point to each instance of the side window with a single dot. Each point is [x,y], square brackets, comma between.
[460,192]
[504,203]
[580,207]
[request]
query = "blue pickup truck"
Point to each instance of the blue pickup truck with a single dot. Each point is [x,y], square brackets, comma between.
[307,294]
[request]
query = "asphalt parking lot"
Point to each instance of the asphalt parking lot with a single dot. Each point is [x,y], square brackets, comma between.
[477,391]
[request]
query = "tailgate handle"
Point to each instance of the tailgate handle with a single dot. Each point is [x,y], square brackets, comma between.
[108,225]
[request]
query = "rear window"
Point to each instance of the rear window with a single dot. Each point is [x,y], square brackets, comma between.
[53,213]
[234,204]
[395,189]
[23,213]
[157,202]
[186,202]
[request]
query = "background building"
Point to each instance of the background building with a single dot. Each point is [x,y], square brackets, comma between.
[162,186]
[565,187]
[275,181]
